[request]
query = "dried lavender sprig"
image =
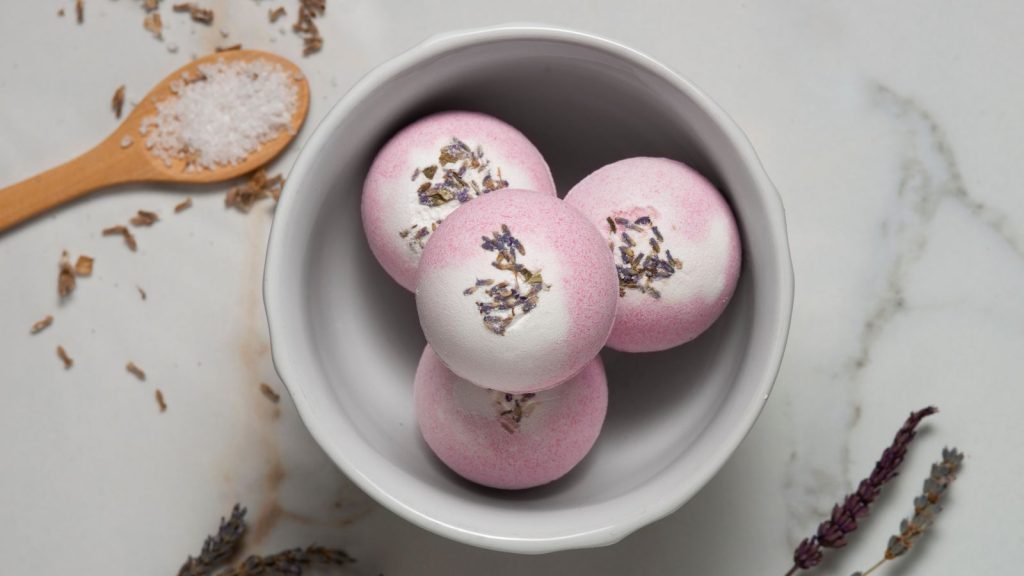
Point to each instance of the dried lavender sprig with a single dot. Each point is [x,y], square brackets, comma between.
[220,548]
[926,507]
[289,562]
[639,270]
[507,298]
[832,533]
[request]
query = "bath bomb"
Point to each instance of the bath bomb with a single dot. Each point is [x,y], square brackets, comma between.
[505,440]
[676,246]
[432,167]
[516,291]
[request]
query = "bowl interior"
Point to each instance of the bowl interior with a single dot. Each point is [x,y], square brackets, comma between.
[346,337]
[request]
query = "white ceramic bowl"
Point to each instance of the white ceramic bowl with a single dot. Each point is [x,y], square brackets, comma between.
[345,337]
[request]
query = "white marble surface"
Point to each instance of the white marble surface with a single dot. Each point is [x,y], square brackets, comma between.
[892,131]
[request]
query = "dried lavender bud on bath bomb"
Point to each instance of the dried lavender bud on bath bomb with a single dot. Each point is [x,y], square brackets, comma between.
[676,248]
[516,291]
[503,440]
[432,167]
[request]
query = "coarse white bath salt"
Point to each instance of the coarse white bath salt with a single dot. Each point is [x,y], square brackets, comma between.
[223,114]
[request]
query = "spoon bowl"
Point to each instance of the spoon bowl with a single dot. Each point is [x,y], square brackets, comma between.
[123,157]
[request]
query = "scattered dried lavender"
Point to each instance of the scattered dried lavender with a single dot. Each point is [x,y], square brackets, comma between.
[135,371]
[154,24]
[65,277]
[196,12]
[462,173]
[63,355]
[257,188]
[305,26]
[117,101]
[42,324]
[80,11]
[926,507]
[184,205]
[504,298]
[219,549]
[125,233]
[144,218]
[269,393]
[142,293]
[276,13]
[228,48]
[512,408]
[833,532]
[637,270]
[160,401]
[83,266]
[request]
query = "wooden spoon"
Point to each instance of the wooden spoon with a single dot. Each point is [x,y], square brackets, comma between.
[111,163]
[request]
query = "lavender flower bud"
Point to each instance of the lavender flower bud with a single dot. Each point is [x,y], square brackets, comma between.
[808,554]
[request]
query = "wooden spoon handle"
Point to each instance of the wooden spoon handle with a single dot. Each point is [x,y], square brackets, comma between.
[105,165]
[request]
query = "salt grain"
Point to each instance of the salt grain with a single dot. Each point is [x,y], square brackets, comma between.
[126,141]
[225,117]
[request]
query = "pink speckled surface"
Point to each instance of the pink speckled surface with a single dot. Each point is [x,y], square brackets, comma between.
[389,188]
[461,424]
[698,226]
[573,258]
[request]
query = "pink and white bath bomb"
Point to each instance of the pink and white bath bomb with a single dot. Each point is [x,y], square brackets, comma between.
[432,167]
[676,246]
[504,440]
[516,291]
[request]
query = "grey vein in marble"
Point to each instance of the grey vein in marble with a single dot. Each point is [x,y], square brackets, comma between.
[931,144]
[929,176]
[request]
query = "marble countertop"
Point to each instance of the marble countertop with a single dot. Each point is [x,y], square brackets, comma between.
[892,131]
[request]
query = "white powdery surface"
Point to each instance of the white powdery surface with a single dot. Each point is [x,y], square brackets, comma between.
[221,119]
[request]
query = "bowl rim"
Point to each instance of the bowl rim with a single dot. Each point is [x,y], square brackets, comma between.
[617,529]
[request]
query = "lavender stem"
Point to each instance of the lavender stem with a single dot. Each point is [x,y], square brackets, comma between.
[832,533]
[875,567]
